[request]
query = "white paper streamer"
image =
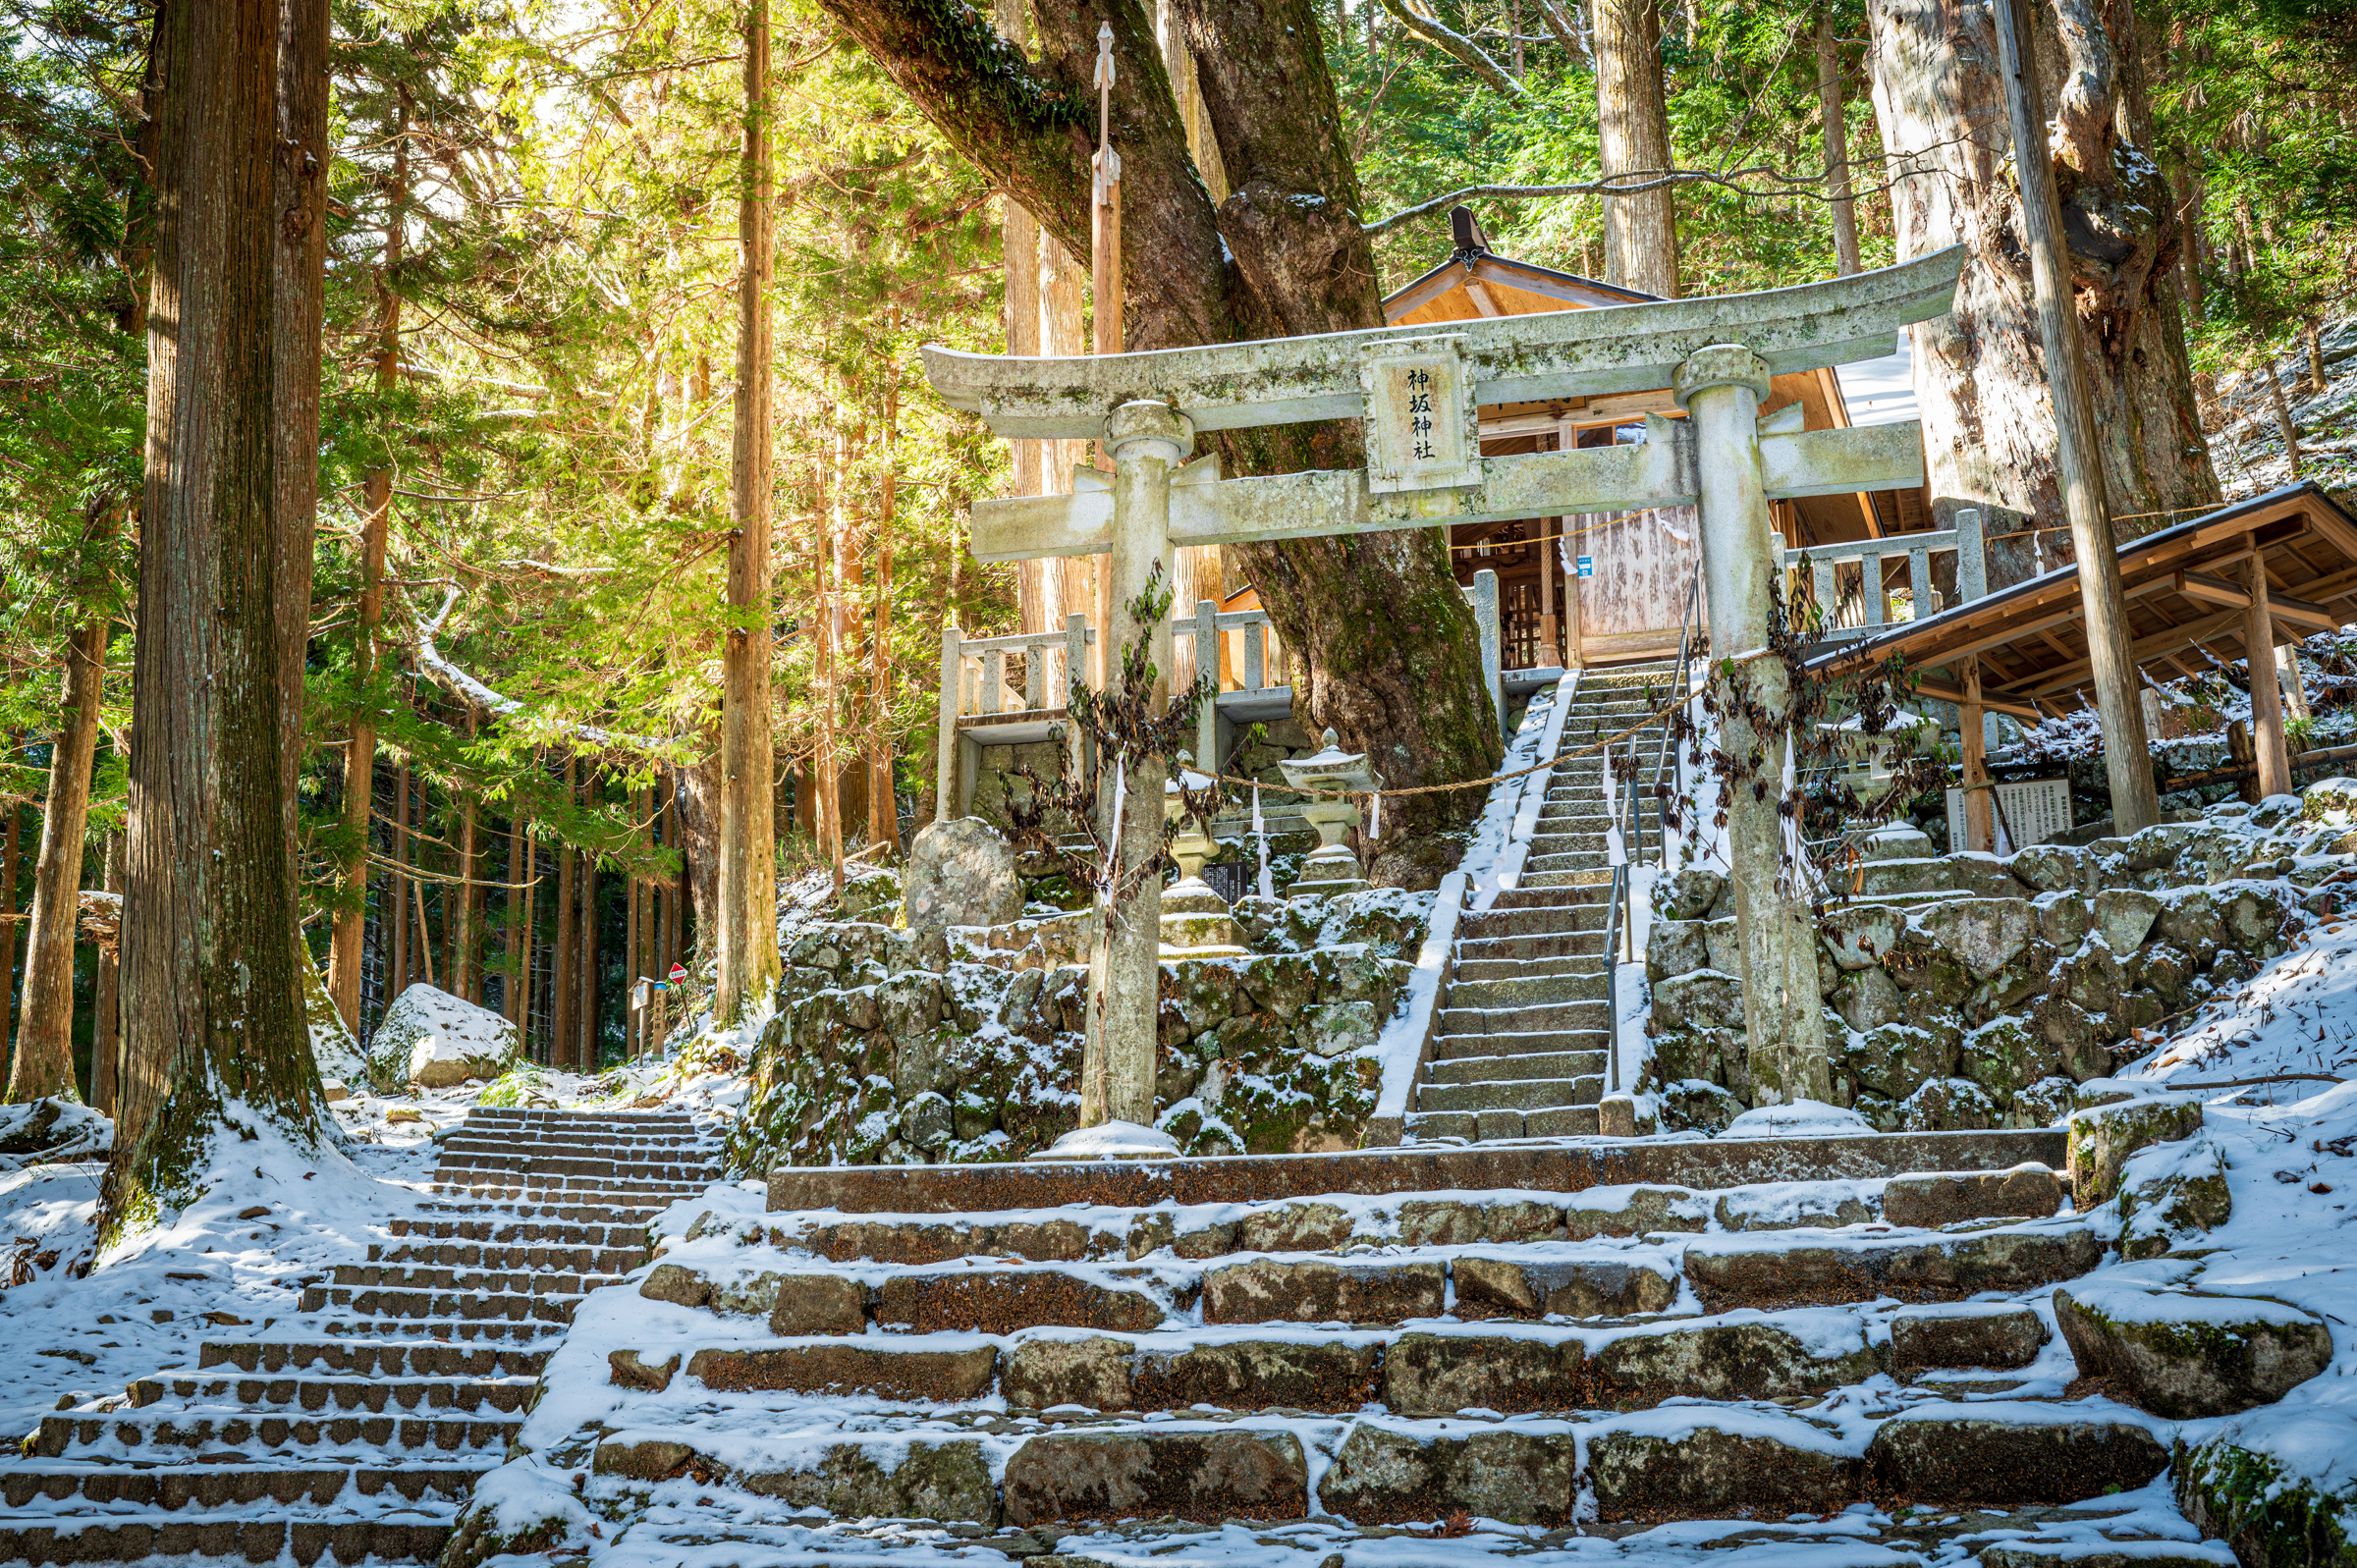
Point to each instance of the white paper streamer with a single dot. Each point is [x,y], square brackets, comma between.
[1260,832]
[1374,816]
[1616,852]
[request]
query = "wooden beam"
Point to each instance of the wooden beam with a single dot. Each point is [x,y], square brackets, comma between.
[1940,688]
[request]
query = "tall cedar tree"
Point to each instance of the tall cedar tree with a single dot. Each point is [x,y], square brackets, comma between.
[211,995]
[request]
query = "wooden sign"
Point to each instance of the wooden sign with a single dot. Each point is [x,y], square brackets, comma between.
[2035,810]
[1421,430]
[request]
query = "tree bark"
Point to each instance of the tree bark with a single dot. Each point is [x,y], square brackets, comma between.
[11,823]
[749,966]
[1385,648]
[299,199]
[106,1023]
[214,999]
[883,807]
[698,817]
[1843,209]
[465,899]
[1980,373]
[44,1064]
[1632,134]
[343,955]
[393,912]
[564,945]
[511,984]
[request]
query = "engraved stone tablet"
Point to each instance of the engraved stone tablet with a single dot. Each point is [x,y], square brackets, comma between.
[1421,431]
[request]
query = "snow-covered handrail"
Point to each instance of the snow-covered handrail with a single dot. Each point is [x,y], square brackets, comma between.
[466,686]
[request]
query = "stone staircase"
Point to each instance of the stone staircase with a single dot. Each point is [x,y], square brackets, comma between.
[1212,1357]
[357,1428]
[1523,1034]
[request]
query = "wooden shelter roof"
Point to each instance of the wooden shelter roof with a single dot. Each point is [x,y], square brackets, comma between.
[2185,597]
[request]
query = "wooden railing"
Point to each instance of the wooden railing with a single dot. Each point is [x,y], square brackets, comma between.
[1868,612]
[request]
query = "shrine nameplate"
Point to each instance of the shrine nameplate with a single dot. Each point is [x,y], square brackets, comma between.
[1421,428]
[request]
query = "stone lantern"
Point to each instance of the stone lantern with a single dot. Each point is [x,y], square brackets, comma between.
[1196,922]
[1331,867]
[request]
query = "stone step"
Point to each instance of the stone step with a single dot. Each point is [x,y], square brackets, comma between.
[492,1255]
[1775,1270]
[632,1213]
[488,1226]
[366,1358]
[1533,990]
[1466,970]
[550,1165]
[1545,1017]
[1500,1069]
[1536,947]
[1538,880]
[446,1330]
[906,1192]
[1537,1045]
[1560,912]
[172,1488]
[1510,1094]
[516,1283]
[411,1536]
[624,1122]
[1504,1123]
[486,1141]
[526,1187]
[1554,897]
[319,1395]
[398,1304]
[225,1427]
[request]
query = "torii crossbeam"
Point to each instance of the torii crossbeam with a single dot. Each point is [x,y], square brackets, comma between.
[1418,389]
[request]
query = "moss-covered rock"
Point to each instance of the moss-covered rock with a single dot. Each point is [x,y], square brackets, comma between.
[2171,1193]
[1948,1105]
[2008,1054]
[2103,1138]
[2256,1487]
[1894,1059]
[2187,1356]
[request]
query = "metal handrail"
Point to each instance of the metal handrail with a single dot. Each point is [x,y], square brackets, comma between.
[1689,627]
[1613,915]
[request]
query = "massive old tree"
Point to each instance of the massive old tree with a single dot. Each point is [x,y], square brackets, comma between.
[1980,373]
[1387,650]
[1633,138]
[212,1004]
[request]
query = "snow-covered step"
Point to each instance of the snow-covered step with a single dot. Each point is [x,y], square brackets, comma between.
[323,1394]
[411,1535]
[453,1330]
[398,1304]
[490,1225]
[1524,1093]
[549,1281]
[493,1255]
[373,1358]
[1531,991]
[39,1484]
[1505,1123]
[222,1430]
[1541,1018]
[1448,1049]
[1532,1064]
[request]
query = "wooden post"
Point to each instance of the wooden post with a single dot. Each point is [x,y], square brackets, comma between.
[944,738]
[1105,209]
[106,1024]
[565,952]
[1979,831]
[2287,677]
[1207,662]
[2078,463]
[2267,698]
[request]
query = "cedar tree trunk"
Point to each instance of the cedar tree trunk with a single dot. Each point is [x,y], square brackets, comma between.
[1632,138]
[749,966]
[44,1064]
[1384,646]
[1980,373]
[214,1013]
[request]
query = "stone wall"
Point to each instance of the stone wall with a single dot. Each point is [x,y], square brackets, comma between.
[1969,991]
[875,1057]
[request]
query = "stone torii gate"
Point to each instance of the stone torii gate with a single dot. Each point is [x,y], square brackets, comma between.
[1418,390]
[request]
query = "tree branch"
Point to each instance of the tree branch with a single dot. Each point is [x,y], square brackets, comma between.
[1433,30]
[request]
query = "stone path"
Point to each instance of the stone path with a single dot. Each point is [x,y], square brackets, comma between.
[1522,1032]
[358,1426]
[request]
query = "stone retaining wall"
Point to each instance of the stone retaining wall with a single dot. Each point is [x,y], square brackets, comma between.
[876,1058]
[1968,991]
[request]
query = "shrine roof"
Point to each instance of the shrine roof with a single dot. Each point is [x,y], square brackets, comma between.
[2184,596]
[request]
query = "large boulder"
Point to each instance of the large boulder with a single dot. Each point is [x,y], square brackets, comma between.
[961,873]
[1984,934]
[2103,1138]
[2187,1356]
[434,1039]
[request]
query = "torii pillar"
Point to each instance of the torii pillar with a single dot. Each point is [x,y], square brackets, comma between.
[1146,441]
[1722,388]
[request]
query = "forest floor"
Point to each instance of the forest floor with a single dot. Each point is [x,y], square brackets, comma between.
[2246,447]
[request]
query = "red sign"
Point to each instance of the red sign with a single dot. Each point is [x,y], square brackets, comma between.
[679,972]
